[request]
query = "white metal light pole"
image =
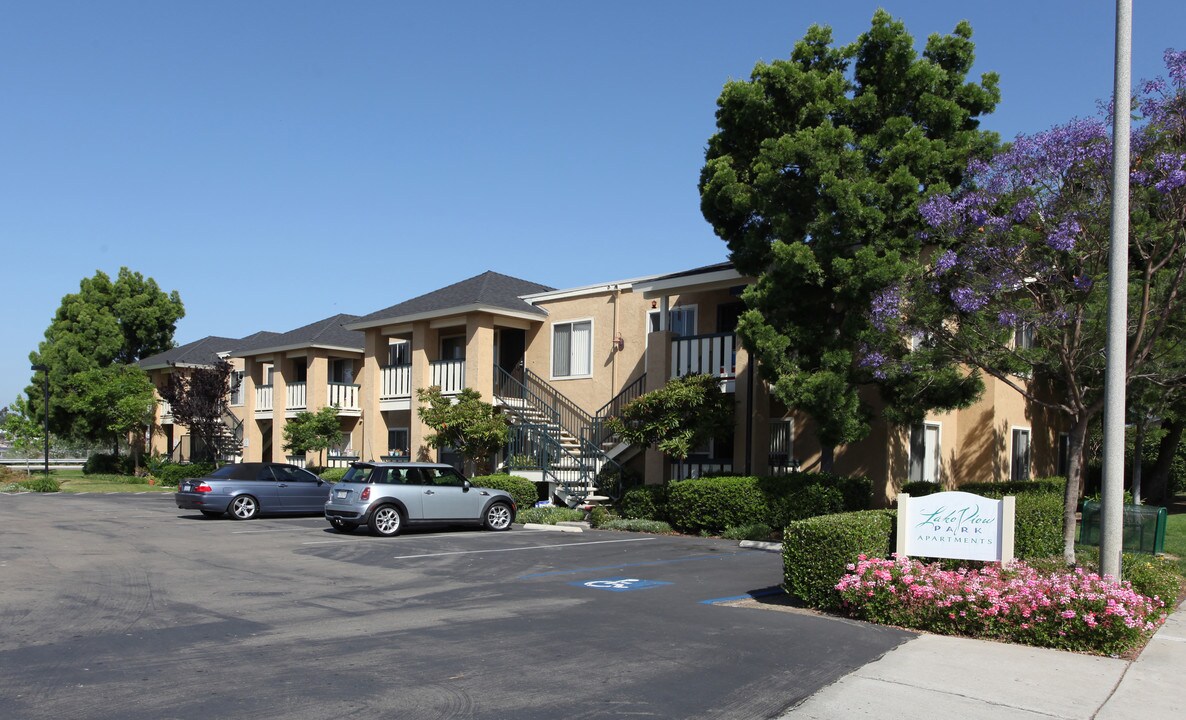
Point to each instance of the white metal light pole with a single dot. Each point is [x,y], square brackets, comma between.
[1115,374]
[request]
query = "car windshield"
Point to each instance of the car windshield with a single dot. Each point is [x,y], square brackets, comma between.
[359,474]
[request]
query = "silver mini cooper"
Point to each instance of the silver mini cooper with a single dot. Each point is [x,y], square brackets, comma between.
[387,496]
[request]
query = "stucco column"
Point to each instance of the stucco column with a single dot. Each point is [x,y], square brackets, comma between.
[424,350]
[253,439]
[372,438]
[317,375]
[658,373]
[479,354]
[282,367]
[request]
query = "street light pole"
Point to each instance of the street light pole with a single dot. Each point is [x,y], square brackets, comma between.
[45,403]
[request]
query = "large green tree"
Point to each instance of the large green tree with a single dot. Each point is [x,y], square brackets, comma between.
[105,323]
[814,178]
[113,404]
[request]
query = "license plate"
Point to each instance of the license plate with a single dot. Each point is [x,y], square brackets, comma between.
[342,494]
[186,487]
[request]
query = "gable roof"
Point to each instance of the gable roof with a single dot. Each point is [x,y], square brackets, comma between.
[327,333]
[489,292]
[199,353]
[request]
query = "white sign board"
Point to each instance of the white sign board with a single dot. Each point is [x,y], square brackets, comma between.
[956,525]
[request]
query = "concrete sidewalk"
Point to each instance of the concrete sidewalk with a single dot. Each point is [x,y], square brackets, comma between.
[935,676]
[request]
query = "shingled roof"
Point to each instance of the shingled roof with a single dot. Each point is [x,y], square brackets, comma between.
[327,333]
[489,292]
[202,352]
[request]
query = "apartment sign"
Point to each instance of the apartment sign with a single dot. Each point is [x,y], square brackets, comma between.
[956,525]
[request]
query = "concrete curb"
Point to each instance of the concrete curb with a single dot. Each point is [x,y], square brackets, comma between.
[761,545]
[553,528]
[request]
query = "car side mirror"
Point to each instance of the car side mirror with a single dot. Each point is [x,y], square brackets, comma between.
[465,486]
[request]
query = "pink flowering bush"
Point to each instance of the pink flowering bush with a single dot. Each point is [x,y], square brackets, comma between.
[1075,610]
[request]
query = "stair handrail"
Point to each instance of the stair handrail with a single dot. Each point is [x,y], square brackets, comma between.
[507,385]
[600,434]
[540,443]
[571,416]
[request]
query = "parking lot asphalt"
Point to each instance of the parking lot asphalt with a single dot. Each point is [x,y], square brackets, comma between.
[123,606]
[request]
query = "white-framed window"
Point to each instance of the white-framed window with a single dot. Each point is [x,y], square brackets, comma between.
[398,441]
[399,352]
[1023,336]
[1019,466]
[269,374]
[572,349]
[236,394]
[924,452]
[681,320]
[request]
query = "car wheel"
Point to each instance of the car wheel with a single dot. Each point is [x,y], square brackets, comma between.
[344,527]
[244,507]
[498,516]
[212,514]
[386,521]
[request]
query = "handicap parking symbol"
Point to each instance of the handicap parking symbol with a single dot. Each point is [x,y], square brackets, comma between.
[622,584]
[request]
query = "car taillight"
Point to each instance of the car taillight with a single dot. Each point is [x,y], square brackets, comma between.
[203,488]
[366,494]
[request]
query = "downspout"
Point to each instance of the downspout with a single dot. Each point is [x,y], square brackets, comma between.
[613,366]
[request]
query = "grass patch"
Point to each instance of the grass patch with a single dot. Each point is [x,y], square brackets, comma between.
[1175,538]
[76,482]
[657,527]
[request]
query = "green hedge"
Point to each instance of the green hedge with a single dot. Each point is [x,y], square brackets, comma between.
[816,551]
[108,464]
[715,503]
[333,474]
[1038,529]
[42,484]
[172,474]
[521,489]
[646,502]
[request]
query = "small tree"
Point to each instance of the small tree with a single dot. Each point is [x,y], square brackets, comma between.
[114,403]
[312,432]
[683,414]
[22,428]
[464,423]
[198,397]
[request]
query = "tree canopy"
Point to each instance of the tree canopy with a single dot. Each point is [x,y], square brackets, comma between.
[465,423]
[1017,283]
[814,178]
[678,417]
[198,399]
[313,431]
[105,323]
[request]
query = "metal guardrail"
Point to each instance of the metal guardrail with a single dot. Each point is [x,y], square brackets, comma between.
[39,462]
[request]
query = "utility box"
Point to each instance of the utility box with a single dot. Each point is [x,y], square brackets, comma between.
[1144,527]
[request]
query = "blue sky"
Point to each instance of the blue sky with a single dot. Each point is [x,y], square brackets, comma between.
[280,162]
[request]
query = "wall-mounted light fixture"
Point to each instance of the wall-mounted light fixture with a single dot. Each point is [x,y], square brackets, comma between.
[619,343]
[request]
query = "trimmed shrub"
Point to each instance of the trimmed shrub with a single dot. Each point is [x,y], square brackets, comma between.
[1015,487]
[41,484]
[549,515]
[658,527]
[645,502]
[817,551]
[107,464]
[521,489]
[599,516]
[1038,530]
[920,488]
[756,531]
[172,474]
[333,474]
[713,504]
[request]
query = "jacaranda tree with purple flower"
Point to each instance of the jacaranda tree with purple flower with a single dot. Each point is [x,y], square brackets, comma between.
[1017,283]
[814,179]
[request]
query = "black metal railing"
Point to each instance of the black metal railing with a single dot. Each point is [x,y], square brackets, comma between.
[600,435]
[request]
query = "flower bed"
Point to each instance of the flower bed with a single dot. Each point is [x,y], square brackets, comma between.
[1075,610]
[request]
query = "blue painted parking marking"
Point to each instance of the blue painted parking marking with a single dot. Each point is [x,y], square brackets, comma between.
[620,584]
[752,595]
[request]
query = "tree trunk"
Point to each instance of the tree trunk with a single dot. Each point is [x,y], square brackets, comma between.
[1077,440]
[827,458]
[1156,489]
[1138,451]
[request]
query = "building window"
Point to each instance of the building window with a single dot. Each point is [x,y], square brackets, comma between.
[399,352]
[236,396]
[681,320]
[1023,336]
[572,349]
[341,370]
[398,440]
[453,347]
[1020,465]
[924,453]
[782,446]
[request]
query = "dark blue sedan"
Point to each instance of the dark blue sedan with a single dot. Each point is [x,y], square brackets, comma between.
[247,490]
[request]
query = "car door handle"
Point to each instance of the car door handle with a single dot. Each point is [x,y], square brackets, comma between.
[282,485]
[429,492]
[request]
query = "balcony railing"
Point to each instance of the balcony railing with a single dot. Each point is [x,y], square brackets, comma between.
[263,398]
[343,395]
[397,382]
[166,411]
[296,396]
[713,354]
[449,375]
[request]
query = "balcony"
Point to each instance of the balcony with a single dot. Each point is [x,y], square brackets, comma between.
[166,412]
[449,375]
[714,354]
[296,397]
[396,382]
[263,400]
[345,397]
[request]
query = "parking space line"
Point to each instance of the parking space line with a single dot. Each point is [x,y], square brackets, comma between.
[249,532]
[533,547]
[577,571]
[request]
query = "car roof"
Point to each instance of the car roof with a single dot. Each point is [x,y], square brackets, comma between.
[402,464]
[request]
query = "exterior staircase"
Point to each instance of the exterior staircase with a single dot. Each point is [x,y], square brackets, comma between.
[552,435]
